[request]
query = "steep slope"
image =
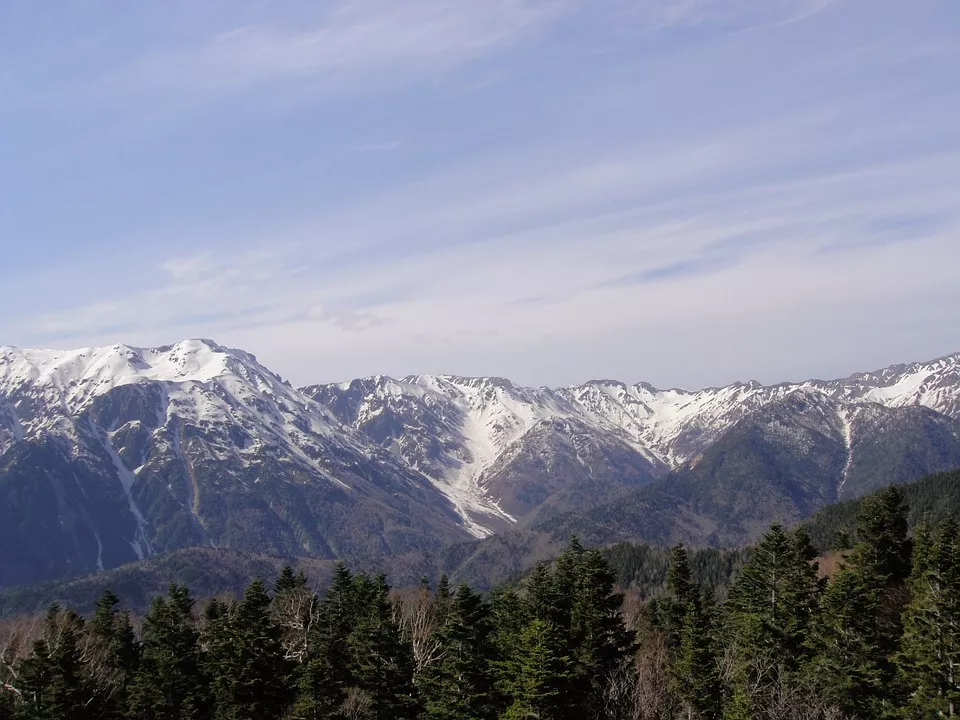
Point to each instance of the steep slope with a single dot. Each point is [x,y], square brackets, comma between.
[455,427]
[500,452]
[781,463]
[111,454]
[191,444]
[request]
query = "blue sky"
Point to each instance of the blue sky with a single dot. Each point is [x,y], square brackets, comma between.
[686,192]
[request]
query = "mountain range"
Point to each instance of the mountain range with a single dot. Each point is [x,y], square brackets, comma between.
[117,453]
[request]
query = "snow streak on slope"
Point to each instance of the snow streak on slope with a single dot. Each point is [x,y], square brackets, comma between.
[446,430]
[456,429]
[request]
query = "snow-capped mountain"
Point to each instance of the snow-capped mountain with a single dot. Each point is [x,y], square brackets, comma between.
[114,453]
[107,454]
[464,433]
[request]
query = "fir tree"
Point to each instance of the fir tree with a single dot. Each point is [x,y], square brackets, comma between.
[113,657]
[381,663]
[53,679]
[768,618]
[247,664]
[859,622]
[693,666]
[328,670]
[774,600]
[599,642]
[460,686]
[169,684]
[537,674]
[929,662]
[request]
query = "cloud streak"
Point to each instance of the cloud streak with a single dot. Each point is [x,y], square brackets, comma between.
[680,191]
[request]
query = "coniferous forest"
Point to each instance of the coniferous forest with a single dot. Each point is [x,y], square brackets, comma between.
[879,638]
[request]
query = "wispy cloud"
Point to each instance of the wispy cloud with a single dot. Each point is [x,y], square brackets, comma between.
[348,40]
[658,189]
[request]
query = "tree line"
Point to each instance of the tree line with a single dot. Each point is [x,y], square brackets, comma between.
[879,639]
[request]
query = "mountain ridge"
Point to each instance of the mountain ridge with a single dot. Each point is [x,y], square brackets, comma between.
[123,452]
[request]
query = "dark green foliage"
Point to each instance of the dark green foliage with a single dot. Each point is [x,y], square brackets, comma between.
[880,640]
[246,662]
[929,661]
[685,617]
[113,657]
[859,624]
[460,685]
[644,568]
[381,663]
[932,499]
[53,679]
[570,618]
[536,676]
[170,683]
[768,618]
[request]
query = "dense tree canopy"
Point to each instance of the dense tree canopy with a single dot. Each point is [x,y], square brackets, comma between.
[879,639]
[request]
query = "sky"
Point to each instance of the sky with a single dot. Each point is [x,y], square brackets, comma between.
[684,192]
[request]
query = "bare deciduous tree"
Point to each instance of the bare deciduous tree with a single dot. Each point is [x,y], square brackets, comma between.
[417,615]
[296,611]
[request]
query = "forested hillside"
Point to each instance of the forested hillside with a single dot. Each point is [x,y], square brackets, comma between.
[933,499]
[879,639]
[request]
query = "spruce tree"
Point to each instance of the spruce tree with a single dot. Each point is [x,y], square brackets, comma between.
[328,671]
[114,655]
[54,682]
[774,600]
[509,618]
[929,661]
[599,641]
[169,683]
[685,617]
[249,671]
[460,685]
[859,621]
[381,663]
[768,618]
[537,674]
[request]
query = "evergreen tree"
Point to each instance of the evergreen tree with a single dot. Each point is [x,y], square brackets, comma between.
[929,662]
[113,657]
[169,684]
[537,674]
[443,598]
[381,663]
[53,679]
[328,670]
[882,550]
[859,622]
[248,666]
[319,693]
[768,618]
[287,580]
[543,602]
[599,641]
[509,617]
[774,600]
[460,686]
[685,618]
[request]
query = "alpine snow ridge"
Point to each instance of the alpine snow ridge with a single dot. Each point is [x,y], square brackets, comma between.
[469,434]
[114,453]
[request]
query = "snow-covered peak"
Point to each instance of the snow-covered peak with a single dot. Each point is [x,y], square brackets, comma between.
[96,370]
[934,384]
